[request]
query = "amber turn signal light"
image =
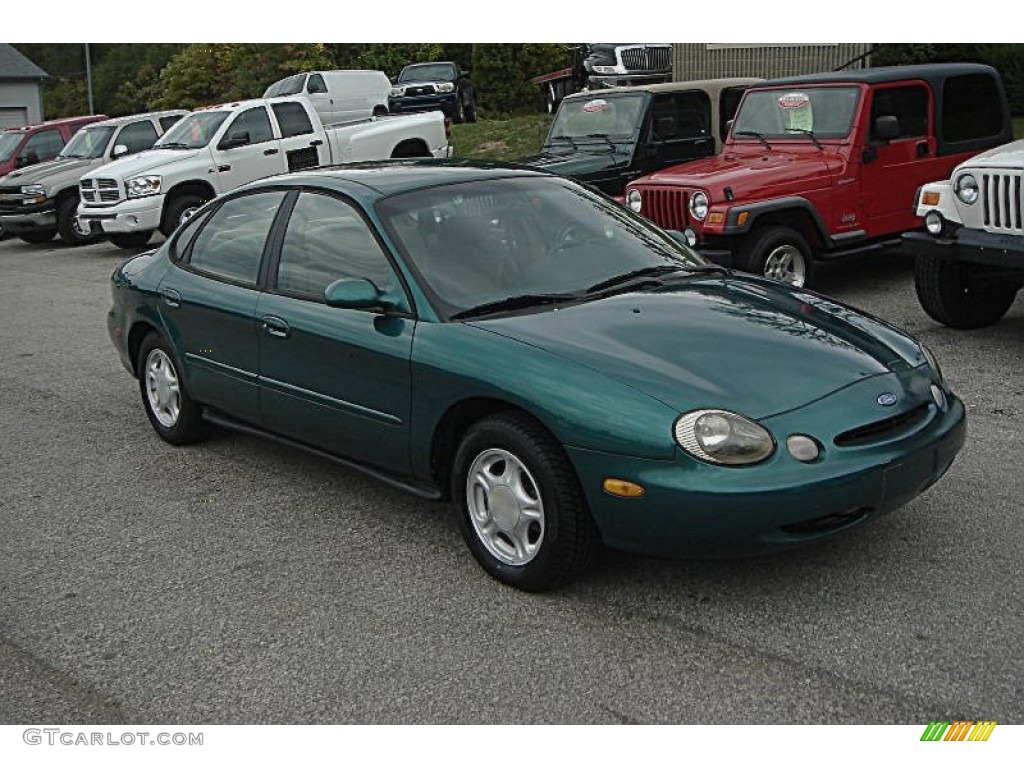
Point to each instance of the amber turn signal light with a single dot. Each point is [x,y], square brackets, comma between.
[623,488]
[930,198]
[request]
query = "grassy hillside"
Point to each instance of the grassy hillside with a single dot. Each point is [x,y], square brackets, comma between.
[510,139]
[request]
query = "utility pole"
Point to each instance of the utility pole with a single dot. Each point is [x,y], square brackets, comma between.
[88,78]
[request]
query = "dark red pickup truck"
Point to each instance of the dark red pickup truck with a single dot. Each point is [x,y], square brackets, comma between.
[825,165]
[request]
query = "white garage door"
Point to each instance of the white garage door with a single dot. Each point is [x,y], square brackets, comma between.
[13,117]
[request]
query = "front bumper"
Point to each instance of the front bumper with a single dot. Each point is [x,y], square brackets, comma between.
[614,81]
[974,246]
[40,217]
[691,509]
[138,215]
[446,102]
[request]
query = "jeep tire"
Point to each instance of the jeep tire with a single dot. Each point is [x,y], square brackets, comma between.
[960,294]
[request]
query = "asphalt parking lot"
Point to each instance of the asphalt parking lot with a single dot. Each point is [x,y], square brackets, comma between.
[241,582]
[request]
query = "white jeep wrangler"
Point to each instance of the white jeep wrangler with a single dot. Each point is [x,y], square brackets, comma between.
[969,265]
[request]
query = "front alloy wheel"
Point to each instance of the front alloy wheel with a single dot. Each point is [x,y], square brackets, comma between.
[505,508]
[786,265]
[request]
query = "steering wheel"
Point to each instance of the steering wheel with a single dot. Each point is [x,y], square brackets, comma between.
[574,235]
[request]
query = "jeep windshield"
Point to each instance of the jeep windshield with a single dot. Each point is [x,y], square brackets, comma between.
[192,131]
[797,112]
[421,73]
[8,143]
[603,118]
[88,143]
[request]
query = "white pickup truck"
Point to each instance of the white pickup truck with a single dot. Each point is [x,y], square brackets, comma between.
[216,149]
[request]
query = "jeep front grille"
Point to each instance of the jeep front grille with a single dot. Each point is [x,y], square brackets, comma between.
[665,207]
[646,59]
[1002,201]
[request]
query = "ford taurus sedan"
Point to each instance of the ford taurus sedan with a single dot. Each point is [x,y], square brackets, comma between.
[569,375]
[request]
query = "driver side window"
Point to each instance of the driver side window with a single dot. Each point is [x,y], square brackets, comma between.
[254,122]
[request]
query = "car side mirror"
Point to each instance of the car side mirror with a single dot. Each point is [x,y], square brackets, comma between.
[236,139]
[887,127]
[354,293]
[120,150]
[29,158]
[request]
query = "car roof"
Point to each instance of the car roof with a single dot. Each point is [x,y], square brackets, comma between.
[885,74]
[142,115]
[388,177]
[680,85]
[58,122]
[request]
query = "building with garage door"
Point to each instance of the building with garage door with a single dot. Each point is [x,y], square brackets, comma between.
[21,89]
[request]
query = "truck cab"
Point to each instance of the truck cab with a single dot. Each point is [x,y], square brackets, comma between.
[609,137]
[825,165]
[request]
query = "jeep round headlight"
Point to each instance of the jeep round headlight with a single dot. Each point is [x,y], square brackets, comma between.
[699,206]
[723,437]
[634,201]
[966,189]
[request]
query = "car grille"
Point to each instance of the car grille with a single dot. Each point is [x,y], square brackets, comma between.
[883,430]
[666,207]
[100,190]
[1002,202]
[646,59]
[421,90]
[10,199]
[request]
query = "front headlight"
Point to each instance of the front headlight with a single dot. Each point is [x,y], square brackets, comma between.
[634,200]
[445,87]
[966,188]
[933,363]
[699,206]
[397,91]
[142,186]
[723,437]
[34,193]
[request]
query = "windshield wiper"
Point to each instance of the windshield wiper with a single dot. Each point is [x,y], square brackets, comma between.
[563,137]
[759,136]
[604,136]
[69,157]
[515,302]
[652,276]
[809,134]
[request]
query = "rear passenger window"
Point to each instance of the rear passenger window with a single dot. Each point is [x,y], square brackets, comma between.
[908,104]
[137,136]
[316,84]
[292,118]
[326,241]
[971,108]
[680,116]
[230,246]
[728,103]
[168,121]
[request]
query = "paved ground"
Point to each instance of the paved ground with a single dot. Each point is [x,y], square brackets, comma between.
[238,581]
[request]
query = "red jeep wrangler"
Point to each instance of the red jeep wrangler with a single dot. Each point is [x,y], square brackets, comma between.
[825,165]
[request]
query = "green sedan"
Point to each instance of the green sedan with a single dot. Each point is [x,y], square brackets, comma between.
[569,375]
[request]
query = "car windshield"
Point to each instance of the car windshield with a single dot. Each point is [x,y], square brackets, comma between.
[417,73]
[9,142]
[287,87]
[598,117]
[193,131]
[484,242]
[827,112]
[88,143]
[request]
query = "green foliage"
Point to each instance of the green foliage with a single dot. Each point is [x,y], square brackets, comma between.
[387,57]
[127,78]
[502,73]
[65,98]
[509,140]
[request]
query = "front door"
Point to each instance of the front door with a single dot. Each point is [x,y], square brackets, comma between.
[338,379]
[208,301]
[248,150]
[680,129]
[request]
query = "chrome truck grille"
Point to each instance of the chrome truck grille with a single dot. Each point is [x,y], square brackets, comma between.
[665,207]
[646,58]
[99,190]
[1001,198]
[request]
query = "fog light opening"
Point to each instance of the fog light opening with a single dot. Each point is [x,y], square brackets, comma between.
[934,222]
[691,236]
[803,448]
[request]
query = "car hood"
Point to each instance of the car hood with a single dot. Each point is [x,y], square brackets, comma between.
[745,345]
[53,171]
[777,172]
[144,162]
[1008,156]
[582,164]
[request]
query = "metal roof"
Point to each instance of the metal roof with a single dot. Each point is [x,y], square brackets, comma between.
[15,66]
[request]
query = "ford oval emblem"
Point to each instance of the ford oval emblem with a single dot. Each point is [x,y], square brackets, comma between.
[886,399]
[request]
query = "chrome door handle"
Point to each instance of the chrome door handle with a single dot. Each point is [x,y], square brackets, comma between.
[275,326]
[171,297]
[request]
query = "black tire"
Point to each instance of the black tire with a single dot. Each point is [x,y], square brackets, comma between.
[155,366]
[67,223]
[37,236]
[767,252]
[565,537]
[959,294]
[469,110]
[459,113]
[132,239]
[179,208]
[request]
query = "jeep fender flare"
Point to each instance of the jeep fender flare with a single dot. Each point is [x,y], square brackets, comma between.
[794,212]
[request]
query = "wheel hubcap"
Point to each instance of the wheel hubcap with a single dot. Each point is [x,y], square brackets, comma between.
[787,265]
[162,388]
[505,507]
[187,214]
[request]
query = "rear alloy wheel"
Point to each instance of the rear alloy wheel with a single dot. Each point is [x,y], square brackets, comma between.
[37,236]
[521,510]
[175,416]
[131,239]
[779,253]
[69,226]
[962,295]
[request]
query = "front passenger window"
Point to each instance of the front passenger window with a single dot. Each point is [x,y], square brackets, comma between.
[230,246]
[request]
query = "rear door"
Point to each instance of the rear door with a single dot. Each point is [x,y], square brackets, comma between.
[301,144]
[248,150]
